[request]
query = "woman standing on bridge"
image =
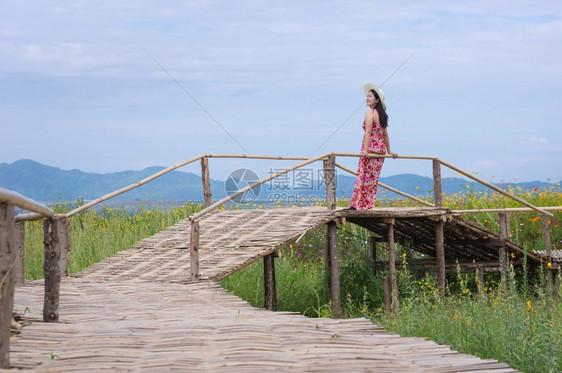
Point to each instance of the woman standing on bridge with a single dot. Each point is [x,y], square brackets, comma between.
[375,141]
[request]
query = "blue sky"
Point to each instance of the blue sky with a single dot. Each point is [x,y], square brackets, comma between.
[480,86]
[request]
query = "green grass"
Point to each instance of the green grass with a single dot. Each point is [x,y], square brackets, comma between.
[97,234]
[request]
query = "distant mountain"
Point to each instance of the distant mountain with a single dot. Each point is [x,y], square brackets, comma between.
[47,184]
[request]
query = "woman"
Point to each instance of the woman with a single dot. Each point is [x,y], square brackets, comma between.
[375,141]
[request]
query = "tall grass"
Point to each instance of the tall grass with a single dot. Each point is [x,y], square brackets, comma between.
[99,233]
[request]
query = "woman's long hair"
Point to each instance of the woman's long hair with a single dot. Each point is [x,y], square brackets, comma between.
[383,117]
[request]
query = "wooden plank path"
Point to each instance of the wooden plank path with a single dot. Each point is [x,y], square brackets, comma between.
[136,312]
[135,325]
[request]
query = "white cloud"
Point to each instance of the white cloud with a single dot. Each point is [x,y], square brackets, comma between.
[535,140]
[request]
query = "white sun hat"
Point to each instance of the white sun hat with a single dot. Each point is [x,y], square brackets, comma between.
[379,91]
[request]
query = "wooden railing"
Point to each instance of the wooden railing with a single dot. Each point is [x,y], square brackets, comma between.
[329,160]
[57,227]
[9,260]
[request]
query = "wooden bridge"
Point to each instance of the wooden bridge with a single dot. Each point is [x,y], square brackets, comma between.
[139,311]
[158,306]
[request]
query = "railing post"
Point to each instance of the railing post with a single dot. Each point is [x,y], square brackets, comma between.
[437,190]
[504,232]
[20,253]
[330,177]
[194,251]
[270,299]
[52,267]
[332,243]
[548,252]
[7,264]
[392,263]
[206,182]
[439,227]
[64,234]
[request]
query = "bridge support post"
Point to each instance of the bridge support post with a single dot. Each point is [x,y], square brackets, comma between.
[330,177]
[270,299]
[392,263]
[7,264]
[20,253]
[206,181]
[440,256]
[332,246]
[194,251]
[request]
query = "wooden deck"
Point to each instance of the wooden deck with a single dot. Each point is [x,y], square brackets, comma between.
[136,311]
[135,325]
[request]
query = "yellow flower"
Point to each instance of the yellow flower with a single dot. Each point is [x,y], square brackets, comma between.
[529,304]
[549,265]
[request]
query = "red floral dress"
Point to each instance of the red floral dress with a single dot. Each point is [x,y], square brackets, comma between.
[368,171]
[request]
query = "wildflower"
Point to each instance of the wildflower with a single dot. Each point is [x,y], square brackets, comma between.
[529,304]
[549,265]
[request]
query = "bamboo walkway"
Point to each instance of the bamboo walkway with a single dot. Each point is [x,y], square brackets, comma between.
[136,312]
[134,325]
[233,239]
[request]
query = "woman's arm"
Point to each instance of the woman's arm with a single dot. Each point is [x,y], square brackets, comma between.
[387,143]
